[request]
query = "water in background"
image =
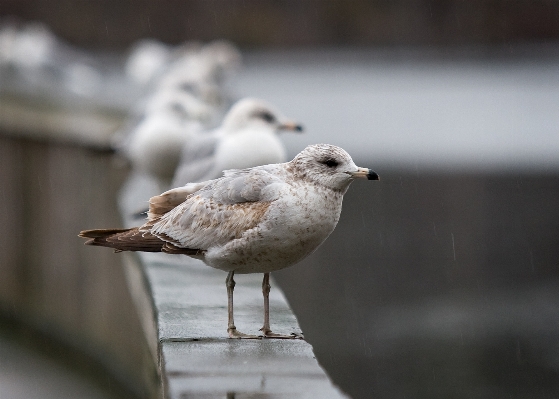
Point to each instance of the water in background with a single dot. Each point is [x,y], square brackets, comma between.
[404,111]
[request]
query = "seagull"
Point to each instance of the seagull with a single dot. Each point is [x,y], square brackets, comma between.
[246,138]
[255,220]
[147,59]
[204,72]
[153,147]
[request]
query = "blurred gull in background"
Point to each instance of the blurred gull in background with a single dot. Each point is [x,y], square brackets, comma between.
[246,138]
[146,60]
[204,72]
[154,146]
[30,45]
[40,62]
[188,95]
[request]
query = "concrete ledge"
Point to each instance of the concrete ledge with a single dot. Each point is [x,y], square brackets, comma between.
[183,310]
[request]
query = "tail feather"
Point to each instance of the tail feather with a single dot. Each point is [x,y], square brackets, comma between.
[99,233]
[134,239]
[124,239]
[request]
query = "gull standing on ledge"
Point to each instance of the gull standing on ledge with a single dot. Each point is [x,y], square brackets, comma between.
[256,220]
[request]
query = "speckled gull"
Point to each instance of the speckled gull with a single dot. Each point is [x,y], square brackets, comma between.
[255,220]
[247,137]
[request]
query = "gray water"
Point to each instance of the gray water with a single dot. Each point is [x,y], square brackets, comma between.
[482,113]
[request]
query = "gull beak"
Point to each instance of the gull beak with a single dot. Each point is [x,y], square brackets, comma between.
[364,173]
[292,126]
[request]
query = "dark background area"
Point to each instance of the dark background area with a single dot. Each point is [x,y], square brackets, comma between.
[251,23]
[437,285]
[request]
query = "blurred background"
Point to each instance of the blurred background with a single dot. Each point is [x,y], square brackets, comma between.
[115,25]
[441,280]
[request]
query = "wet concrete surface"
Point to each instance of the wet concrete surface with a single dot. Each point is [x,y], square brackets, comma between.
[197,358]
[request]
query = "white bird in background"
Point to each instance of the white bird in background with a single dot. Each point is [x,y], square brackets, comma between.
[256,220]
[246,138]
[154,147]
[43,62]
[27,46]
[163,66]
[204,72]
[188,97]
[147,59]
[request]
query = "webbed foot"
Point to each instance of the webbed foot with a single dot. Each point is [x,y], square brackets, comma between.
[269,334]
[233,333]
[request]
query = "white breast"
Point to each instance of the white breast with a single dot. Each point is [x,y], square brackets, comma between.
[294,226]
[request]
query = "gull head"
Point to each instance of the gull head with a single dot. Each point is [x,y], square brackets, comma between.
[329,166]
[252,113]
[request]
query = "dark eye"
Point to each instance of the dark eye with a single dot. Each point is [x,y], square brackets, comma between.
[268,117]
[331,163]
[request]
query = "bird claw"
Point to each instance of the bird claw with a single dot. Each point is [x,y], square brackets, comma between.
[297,336]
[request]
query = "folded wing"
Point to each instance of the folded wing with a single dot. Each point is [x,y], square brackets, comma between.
[219,211]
